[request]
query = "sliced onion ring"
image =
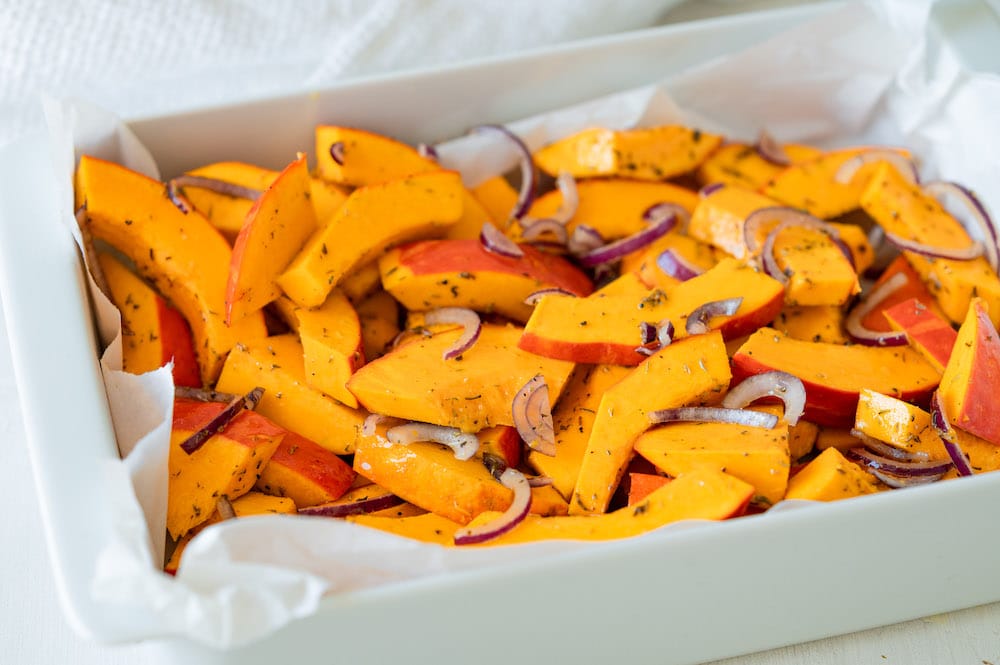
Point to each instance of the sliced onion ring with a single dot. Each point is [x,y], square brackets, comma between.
[529,178]
[337,152]
[887,450]
[537,228]
[464,445]
[219,422]
[619,248]
[674,265]
[373,420]
[697,321]
[786,387]
[494,241]
[540,481]
[202,395]
[225,508]
[715,414]
[217,186]
[532,416]
[367,504]
[972,251]
[462,316]
[769,148]
[519,508]
[899,482]
[853,322]
[906,167]
[897,467]
[647,332]
[665,332]
[584,239]
[784,216]
[939,419]
[427,151]
[709,189]
[570,198]
[976,220]
[536,296]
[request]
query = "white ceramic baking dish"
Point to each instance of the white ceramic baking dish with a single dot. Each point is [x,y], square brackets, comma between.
[737,587]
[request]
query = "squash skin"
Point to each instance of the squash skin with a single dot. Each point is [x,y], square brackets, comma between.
[305,472]
[926,332]
[183,256]
[970,380]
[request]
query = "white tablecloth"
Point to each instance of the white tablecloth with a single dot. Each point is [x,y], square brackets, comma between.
[109,54]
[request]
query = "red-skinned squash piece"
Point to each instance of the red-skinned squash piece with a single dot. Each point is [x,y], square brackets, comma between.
[912,288]
[926,332]
[969,385]
[305,472]
[642,485]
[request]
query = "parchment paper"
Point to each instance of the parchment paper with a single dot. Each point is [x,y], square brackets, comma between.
[872,74]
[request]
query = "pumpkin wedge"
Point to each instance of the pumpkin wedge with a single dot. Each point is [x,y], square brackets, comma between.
[184,256]
[656,153]
[912,288]
[378,315]
[427,528]
[969,385]
[305,472]
[153,332]
[648,264]
[470,392]
[817,270]
[821,323]
[497,197]
[332,346]
[461,273]
[276,364]
[694,370]
[703,495]
[898,424]
[926,332]
[835,375]
[741,165]
[372,219]
[718,219]
[905,210]
[276,227]
[365,158]
[605,328]
[830,477]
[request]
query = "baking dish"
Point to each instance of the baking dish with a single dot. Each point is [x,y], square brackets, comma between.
[714,592]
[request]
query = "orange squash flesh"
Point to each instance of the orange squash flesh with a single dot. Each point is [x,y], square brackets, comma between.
[276,227]
[461,273]
[818,272]
[228,464]
[641,485]
[372,219]
[305,472]
[741,165]
[829,477]
[657,153]
[184,256]
[706,494]
[498,198]
[969,384]
[470,224]
[926,332]
[427,528]
[369,158]
[905,210]
[332,346]
[605,329]
[153,332]
[822,323]
[378,315]
[718,219]
[753,454]
[898,424]
[615,206]
[694,370]
[834,375]
[471,393]
[912,288]
[644,263]
[573,419]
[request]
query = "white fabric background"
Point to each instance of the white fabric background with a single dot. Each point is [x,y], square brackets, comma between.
[143,57]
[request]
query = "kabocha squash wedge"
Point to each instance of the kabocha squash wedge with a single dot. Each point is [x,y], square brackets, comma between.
[968,391]
[834,375]
[365,158]
[153,332]
[830,477]
[741,165]
[912,288]
[704,495]
[753,454]
[905,210]
[471,392]
[615,206]
[305,472]
[694,370]
[926,332]
[461,273]
[572,419]
[184,256]
[276,227]
[228,464]
[276,364]
[332,346]
[372,218]
[605,327]
[656,153]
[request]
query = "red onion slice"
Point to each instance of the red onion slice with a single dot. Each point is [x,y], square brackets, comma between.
[674,265]
[427,151]
[374,420]
[709,189]
[906,167]
[570,198]
[786,387]
[900,482]
[535,229]
[464,445]
[647,332]
[665,332]
[202,395]
[854,325]
[494,241]
[337,152]
[584,239]
[178,199]
[973,251]
[403,334]
[529,178]
[714,414]
[645,350]
[939,419]
[536,296]
[539,481]
[219,422]
[519,508]
[619,248]
[217,186]
[976,220]
[896,467]
[884,449]
[659,212]
[784,216]
[769,148]
[532,415]
[364,505]
[462,316]
[697,321]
